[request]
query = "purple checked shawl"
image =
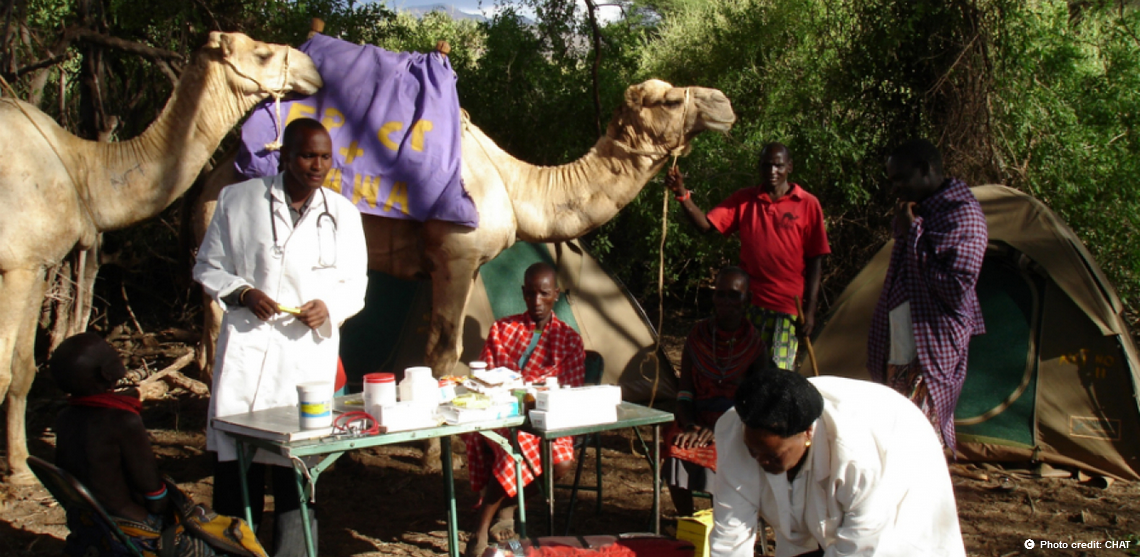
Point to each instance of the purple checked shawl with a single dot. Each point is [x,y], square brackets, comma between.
[936,268]
[394,121]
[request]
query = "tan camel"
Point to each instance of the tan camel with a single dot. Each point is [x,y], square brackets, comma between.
[62,191]
[517,200]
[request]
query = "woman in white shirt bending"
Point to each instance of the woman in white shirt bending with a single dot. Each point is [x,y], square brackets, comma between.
[837,466]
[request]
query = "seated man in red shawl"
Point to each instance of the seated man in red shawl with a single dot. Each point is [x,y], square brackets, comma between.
[538,345]
[718,354]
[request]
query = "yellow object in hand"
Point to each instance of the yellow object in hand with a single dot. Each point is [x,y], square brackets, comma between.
[289,309]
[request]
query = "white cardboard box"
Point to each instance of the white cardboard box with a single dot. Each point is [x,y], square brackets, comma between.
[573,418]
[578,399]
[403,416]
[455,416]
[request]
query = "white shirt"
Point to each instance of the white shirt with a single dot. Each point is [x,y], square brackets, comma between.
[875,483]
[259,363]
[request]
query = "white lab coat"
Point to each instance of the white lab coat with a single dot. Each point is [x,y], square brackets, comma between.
[259,363]
[875,483]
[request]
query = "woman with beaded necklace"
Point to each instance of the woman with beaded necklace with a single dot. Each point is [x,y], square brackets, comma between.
[718,354]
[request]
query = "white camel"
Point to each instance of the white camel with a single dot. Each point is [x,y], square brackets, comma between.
[62,191]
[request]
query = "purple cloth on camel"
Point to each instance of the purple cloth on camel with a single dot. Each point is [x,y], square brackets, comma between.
[395,126]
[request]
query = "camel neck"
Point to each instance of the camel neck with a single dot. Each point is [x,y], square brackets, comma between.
[136,179]
[558,203]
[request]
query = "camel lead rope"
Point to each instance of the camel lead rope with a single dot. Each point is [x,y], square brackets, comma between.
[276,143]
[660,290]
[676,152]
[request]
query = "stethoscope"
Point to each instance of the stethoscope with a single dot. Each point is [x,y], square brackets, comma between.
[279,250]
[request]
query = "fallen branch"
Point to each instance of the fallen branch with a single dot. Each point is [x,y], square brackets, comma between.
[171,378]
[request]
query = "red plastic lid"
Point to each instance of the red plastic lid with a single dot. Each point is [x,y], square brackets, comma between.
[380,378]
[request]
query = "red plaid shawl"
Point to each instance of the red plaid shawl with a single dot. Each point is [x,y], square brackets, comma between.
[936,269]
[560,354]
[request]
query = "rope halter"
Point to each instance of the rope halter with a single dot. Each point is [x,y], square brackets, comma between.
[674,151]
[276,93]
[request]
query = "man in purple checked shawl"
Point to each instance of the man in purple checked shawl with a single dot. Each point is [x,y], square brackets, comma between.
[928,310]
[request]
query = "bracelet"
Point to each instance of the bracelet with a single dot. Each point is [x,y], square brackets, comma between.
[241,297]
[156,495]
[684,198]
[684,395]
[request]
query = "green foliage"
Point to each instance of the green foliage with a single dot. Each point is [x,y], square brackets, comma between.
[1022,93]
[1067,93]
[532,93]
[1036,94]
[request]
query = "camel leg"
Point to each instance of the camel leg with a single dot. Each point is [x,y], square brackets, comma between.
[208,344]
[451,283]
[23,292]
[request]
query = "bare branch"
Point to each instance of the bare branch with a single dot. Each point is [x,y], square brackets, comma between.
[46,62]
[166,69]
[146,51]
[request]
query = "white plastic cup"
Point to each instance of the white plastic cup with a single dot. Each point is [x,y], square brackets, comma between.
[477,366]
[316,404]
[379,390]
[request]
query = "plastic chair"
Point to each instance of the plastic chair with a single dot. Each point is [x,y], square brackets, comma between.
[75,498]
[595,368]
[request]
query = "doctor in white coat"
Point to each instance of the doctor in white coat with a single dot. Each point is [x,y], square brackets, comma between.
[836,466]
[288,263]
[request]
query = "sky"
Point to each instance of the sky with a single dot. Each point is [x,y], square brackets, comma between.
[488,8]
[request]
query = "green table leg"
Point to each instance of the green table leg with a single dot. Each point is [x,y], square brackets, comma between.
[305,523]
[656,464]
[511,447]
[520,492]
[548,479]
[243,469]
[449,491]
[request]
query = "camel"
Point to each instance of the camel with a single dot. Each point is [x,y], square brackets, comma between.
[516,201]
[62,191]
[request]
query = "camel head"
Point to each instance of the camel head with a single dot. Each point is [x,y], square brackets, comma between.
[657,117]
[255,68]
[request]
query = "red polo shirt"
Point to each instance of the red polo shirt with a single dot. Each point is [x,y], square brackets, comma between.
[775,240]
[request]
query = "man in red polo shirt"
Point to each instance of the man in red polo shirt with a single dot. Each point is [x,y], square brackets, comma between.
[782,244]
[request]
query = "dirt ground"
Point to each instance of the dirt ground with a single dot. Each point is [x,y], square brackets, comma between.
[381,502]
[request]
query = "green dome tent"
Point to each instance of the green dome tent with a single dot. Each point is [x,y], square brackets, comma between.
[1055,378]
[390,334]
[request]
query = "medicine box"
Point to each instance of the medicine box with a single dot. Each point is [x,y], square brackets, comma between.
[455,416]
[564,418]
[578,399]
[403,416]
[695,530]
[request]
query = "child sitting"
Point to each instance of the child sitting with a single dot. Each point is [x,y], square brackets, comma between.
[102,442]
